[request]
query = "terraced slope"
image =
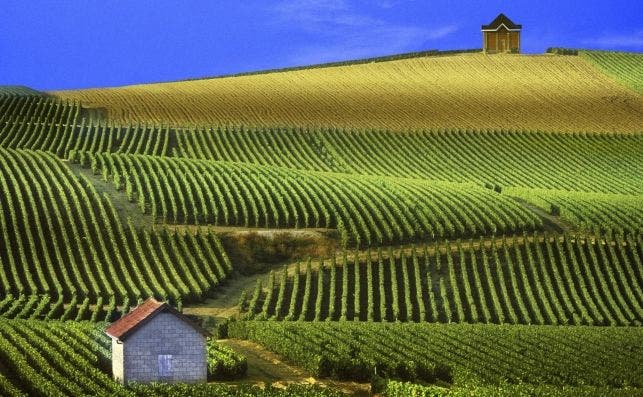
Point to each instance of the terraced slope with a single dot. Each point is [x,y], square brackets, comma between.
[592,162]
[365,210]
[61,239]
[570,281]
[624,66]
[589,211]
[490,144]
[54,359]
[73,359]
[30,121]
[535,92]
[461,354]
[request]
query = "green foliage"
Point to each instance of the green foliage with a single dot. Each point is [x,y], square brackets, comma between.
[66,253]
[499,159]
[587,211]
[625,67]
[64,244]
[222,390]
[224,363]
[537,280]
[461,354]
[367,211]
[54,358]
[405,389]
[60,127]
[37,122]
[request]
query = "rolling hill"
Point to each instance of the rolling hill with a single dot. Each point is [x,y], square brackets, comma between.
[469,223]
[476,91]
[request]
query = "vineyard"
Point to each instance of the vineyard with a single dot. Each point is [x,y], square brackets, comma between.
[224,363]
[589,211]
[64,242]
[623,66]
[538,92]
[484,238]
[393,388]
[364,210]
[609,163]
[554,281]
[457,353]
[41,123]
[36,122]
[55,359]
[71,358]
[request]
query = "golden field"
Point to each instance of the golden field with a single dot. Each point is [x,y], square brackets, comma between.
[533,92]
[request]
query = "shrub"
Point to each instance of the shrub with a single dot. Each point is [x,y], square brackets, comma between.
[225,363]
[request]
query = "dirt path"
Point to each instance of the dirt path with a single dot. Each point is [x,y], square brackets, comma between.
[551,222]
[123,207]
[226,302]
[266,367]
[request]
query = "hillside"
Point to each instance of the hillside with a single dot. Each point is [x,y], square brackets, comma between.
[456,225]
[530,92]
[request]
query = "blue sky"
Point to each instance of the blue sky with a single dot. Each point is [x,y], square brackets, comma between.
[75,44]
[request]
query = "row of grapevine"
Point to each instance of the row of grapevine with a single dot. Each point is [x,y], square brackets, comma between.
[45,307]
[532,280]
[393,388]
[73,359]
[36,109]
[610,163]
[92,136]
[62,239]
[623,66]
[37,122]
[462,354]
[13,90]
[224,363]
[60,359]
[365,210]
[54,359]
[500,157]
[589,211]
[42,123]
[283,147]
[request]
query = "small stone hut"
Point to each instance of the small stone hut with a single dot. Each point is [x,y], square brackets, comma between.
[156,343]
[501,35]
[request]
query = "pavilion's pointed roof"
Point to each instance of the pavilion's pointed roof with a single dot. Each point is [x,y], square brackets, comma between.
[501,19]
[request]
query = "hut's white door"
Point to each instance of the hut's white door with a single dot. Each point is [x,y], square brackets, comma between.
[165,366]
